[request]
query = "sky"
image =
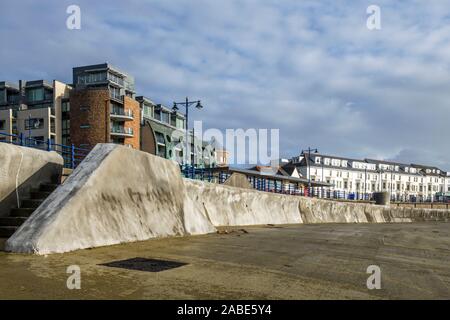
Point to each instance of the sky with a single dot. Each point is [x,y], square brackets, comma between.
[311,69]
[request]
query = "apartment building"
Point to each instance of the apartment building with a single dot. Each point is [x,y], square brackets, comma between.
[163,133]
[102,107]
[32,109]
[404,181]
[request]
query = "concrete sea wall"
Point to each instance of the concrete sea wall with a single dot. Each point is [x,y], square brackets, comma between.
[22,169]
[122,195]
[116,195]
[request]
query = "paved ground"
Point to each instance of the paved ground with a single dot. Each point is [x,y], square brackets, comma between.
[288,262]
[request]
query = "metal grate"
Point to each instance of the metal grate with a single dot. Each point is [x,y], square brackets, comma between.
[143,264]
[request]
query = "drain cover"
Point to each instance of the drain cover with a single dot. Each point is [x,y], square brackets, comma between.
[143,264]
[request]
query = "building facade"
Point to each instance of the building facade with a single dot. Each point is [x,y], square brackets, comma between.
[32,109]
[103,108]
[406,182]
[100,106]
[163,133]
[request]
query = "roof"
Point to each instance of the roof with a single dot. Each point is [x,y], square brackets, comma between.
[333,157]
[278,177]
[387,162]
[367,160]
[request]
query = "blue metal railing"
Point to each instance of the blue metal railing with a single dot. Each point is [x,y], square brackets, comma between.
[262,183]
[72,155]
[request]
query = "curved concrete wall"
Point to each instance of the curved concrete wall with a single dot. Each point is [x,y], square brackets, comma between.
[121,195]
[21,169]
[115,195]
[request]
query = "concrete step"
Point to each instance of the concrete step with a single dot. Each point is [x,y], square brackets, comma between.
[6,232]
[67,171]
[12,221]
[65,174]
[39,195]
[48,187]
[22,212]
[31,203]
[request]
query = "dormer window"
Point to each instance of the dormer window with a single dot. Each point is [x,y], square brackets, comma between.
[318,160]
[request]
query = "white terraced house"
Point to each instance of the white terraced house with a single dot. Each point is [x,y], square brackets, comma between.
[406,182]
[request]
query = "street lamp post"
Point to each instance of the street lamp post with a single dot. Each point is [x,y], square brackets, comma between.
[308,166]
[187,104]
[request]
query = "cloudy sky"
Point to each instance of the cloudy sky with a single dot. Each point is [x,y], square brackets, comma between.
[309,68]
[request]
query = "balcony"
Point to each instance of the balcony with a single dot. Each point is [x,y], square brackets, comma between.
[122,132]
[122,115]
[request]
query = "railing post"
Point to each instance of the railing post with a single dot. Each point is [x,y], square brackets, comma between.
[49,145]
[21,138]
[72,154]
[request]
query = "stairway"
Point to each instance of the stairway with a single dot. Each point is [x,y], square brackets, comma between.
[17,216]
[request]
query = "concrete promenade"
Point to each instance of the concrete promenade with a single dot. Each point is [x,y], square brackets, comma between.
[322,261]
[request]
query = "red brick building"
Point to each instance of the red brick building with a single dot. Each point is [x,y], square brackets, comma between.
[103,108]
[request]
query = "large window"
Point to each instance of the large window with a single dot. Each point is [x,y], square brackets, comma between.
[115,78]
[12,98]
[92,78]
[34,123]
[2,95]
[2,124]
[35,94]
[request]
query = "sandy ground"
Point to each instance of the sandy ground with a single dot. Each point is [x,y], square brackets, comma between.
[266,262]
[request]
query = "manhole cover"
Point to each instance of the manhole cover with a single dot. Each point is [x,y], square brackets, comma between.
[143,264]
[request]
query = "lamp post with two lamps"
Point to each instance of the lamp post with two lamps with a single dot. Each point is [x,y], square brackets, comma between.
[187,104]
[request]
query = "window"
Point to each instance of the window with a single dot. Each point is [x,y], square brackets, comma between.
[12,98]
[92,78]
[114,78]
[2,124]
[85,126]
[160,138]
[65,106]
[52,125]
[158,114]
[180,123]
[161,144]
[36,94]
[165,117]
[115,93]
[34,123]
[2,95]
[148,111]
